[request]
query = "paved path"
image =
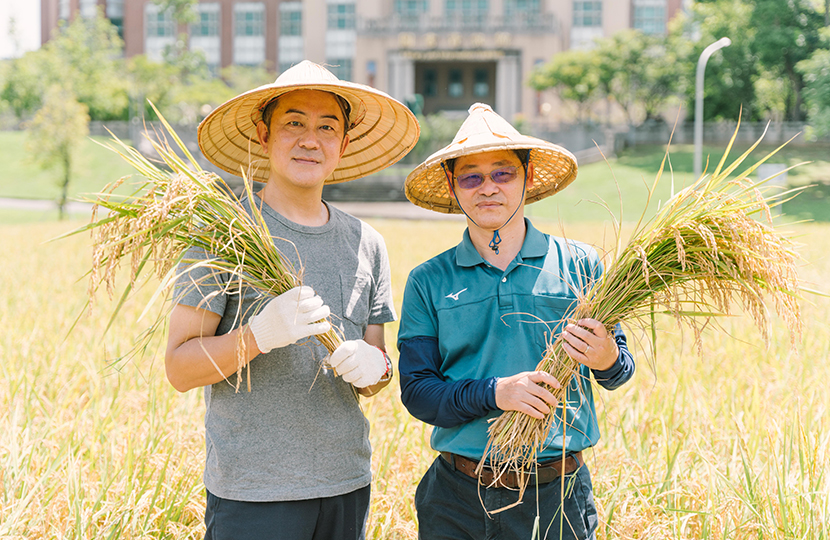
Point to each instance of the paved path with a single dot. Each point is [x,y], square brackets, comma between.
[384,210]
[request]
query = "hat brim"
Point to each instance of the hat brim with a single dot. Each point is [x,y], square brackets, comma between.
[386,132]
[554,168]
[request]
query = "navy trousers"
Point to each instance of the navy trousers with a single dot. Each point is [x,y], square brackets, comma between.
[449,506]
[341,517]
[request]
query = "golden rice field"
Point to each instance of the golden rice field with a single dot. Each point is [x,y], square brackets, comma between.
[733,442]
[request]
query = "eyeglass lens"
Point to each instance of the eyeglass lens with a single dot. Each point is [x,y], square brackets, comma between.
[499,176]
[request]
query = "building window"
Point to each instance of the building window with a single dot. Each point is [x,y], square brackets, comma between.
[88,8]
[411,8]
[115,13]
[159,23]
[650,16]
[205,33]
[467,8]
[207,21]
[522,7]
[63,10]
[341,67]
[115,8]
[249,33]
[430,83]
[456,86]
[481,86]
[587,13]
[341,16]
[291,19]
[248,19]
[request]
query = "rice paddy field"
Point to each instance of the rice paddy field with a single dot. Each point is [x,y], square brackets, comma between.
[729,441]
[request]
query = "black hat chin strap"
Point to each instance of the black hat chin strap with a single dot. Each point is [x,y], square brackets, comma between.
[494,243]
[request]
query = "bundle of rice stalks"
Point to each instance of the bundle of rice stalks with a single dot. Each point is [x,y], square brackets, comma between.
[173,211]
[700,254]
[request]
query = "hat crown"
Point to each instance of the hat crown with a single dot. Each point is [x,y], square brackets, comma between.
[306,72]
[484,124]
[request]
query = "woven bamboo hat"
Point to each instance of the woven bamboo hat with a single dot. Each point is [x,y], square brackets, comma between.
[485,131]
[381,129]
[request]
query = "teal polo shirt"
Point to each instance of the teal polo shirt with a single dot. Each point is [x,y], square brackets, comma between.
[494,323]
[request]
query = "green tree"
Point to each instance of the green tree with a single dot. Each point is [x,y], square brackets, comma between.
[21,88]
[639,72]
[182,11]
[54,134]
[816,73]
[85,58]
[788,32]
[618,58]
[731,74]
[661,72]
[574,75]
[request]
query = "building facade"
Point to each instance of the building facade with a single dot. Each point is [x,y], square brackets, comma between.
[443,55]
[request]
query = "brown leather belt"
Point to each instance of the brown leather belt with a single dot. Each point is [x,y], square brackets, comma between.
[547,472]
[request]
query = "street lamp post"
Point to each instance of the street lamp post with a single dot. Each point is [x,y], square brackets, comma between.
[701,67]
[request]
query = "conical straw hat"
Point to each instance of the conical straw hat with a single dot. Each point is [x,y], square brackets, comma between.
[382,130]
[485,131]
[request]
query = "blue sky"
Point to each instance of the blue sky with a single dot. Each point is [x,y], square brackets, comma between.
[26,14]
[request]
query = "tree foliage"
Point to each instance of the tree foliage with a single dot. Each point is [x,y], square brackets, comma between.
[573,74]
[54,134]
[816,74]
[788,33]
[182,11]
[85,58]
[731,74]
[638,72]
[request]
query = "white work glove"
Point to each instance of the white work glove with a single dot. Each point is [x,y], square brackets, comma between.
[288,318]
[358,363]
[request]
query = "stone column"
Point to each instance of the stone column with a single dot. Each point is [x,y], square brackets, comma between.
[508,86]
[401,76]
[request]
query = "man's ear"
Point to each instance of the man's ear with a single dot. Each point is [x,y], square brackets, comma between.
[262,135]
[448,174]
[529,175]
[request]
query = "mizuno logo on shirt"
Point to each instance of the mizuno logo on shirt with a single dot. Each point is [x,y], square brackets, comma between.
[454,296]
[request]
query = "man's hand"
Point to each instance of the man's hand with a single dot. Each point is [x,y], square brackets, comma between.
[288,318]
[589,343]
[358,363]
[522,392]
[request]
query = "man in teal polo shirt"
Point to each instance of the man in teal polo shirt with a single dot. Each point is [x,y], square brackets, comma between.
[475,323]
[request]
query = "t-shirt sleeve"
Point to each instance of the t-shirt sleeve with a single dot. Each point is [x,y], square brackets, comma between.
[382,308]
[198,285]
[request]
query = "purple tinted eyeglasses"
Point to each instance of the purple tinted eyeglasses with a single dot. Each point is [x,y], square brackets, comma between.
[499,176]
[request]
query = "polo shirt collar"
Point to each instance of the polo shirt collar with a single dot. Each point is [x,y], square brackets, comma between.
[535,245]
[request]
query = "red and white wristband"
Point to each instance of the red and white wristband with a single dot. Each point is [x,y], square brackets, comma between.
[387,375]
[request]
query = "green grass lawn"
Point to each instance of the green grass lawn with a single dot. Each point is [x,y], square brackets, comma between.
[94,168]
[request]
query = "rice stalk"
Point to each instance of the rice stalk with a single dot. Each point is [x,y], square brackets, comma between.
[698,256]
[175,210]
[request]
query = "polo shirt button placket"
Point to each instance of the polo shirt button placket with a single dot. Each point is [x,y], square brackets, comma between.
[505,297]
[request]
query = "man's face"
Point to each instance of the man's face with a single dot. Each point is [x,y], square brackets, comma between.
[306,138]
[492,203]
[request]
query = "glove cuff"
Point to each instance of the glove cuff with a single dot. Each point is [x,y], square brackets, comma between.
[262,332]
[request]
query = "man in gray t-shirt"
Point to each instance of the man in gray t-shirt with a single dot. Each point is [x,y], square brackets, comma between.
[291,458]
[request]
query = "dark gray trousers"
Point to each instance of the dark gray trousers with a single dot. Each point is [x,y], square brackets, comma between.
[328,518]
[449,506]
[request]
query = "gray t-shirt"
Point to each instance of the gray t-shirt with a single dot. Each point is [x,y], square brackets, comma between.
[300,433]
